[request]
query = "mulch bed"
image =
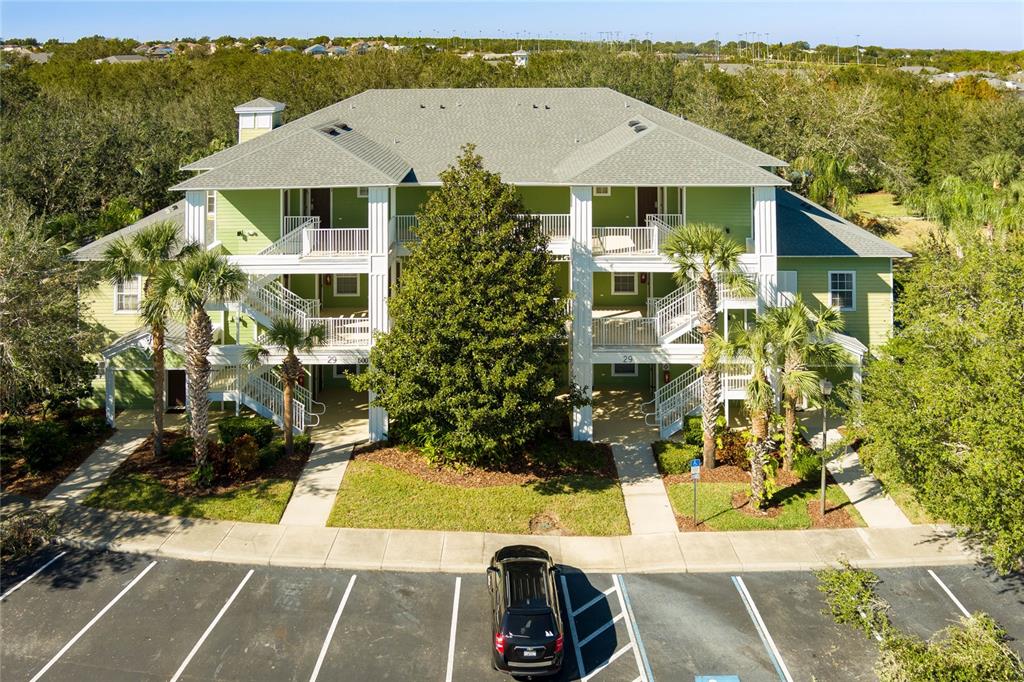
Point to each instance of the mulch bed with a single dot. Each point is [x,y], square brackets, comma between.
[410,461]
[16,479]
[835,517]
[175,476]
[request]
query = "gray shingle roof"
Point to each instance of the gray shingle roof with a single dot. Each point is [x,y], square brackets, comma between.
[94,250]
[260,103]
[806,229]
[529,135]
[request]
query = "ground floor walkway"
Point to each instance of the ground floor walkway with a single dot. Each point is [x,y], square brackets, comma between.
[619,421]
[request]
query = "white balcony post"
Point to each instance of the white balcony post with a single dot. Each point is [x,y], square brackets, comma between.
[109,385]
[765,247]
[305,242]
[378,221]
[581,281]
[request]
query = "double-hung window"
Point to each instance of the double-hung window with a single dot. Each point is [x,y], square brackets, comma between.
[346,285]
[624,369]
[624,283]
[127,295]
[842,290]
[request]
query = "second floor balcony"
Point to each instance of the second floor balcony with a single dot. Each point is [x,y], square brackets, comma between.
[303,236]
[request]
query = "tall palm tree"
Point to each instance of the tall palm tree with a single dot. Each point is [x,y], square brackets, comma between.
[827,180]
[285,333]
[800,342]
[705,252]
[756,346]
[147,253]
[997,168]
[195,281]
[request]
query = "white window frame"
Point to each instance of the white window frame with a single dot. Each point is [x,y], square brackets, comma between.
[602,190]
[853,290]
[634,373]
[636,285]
[337,278]
[362,192]
[118,293]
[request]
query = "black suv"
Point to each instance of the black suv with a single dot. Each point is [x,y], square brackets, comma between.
[526,619]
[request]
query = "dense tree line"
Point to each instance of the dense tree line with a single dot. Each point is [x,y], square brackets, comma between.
[78,136]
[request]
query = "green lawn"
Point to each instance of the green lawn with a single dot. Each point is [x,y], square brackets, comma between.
[910,229]
[258,502]
[714,506]
[376,496]
[881,204]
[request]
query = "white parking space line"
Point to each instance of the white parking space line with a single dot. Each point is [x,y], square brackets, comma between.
[213,624]
[611,659]
[330,630]
[92,622]
[581,671]
[762,630]
[451,635]
[949,593]
[593,601]
[586,640]
[631,629]
[34,574]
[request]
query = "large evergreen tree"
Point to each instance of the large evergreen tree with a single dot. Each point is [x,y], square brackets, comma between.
[470,367]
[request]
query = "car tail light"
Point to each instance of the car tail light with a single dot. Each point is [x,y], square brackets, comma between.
[499,643]
[559,644]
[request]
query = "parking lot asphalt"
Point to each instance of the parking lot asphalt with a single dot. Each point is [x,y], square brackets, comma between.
[107,616]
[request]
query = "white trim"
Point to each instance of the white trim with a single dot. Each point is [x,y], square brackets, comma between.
[636,285]
[362,192]
[682,203]
[334,285]
[602,190]
[634,373]
[853,290]
[138,306]
[636,206]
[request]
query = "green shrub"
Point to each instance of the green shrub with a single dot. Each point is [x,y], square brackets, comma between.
[260,428]
[44,444]
[303,444]
[565,455]
[88,425]
[180,451]
[807,463]
[693,430]
[24,532]
[674,458]
[243,456]
[975,649]
[850,595]
[270,454]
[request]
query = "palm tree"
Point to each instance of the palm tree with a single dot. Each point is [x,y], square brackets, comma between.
[997,168]
[755,346]
[285,333]
[705,251]
[147,253]
[800,342]
[826,179]
[198,279]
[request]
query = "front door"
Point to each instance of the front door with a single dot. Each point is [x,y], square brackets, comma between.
[175,389]
[646,203]
[320,205]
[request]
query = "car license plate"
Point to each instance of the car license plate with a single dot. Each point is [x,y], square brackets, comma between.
[530,653]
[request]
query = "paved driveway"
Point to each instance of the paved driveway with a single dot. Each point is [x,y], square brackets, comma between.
[108,616]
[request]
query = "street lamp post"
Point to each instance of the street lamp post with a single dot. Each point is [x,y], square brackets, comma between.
[826,389]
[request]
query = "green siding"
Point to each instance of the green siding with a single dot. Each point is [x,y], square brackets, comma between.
[347,209]
[97,305]
[246,326]
[603,297]
[329,300]
[133,389]
[303,285]
[671,200]
[871,322]
[545,199]
[663,284]
[248,220]
[562,268]
[617,210]
[295,202]
[409,199]
[727,206]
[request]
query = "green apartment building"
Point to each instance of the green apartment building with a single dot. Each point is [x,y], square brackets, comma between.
[321,211]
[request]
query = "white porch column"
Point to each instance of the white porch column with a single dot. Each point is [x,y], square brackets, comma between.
[581,281]
[858,377]
[378,221]
[109,405]
[765,246]
[195,216]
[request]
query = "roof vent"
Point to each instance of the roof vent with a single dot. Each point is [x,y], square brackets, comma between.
[423,106]
[535,106]
[546,106]
[640,128]
[634,122]
[442,106]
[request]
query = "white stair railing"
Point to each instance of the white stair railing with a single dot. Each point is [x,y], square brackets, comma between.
[290,243]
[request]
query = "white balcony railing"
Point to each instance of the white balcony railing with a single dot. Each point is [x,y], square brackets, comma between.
[290,223]
[348,240]
[343,331]
[624,240]
[405,228]
[625,331]
[554,225]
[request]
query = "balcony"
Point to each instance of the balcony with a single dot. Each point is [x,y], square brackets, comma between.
[303,237]
[343,331]
[609,241]
[554,225]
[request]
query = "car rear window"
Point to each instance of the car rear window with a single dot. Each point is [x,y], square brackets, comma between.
[530,625]
[526,585]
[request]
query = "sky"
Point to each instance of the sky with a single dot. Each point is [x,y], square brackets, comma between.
[997,25]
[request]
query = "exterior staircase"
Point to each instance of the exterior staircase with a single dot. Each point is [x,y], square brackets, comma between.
[681,397]
[261,390]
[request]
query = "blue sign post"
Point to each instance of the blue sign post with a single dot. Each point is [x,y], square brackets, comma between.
[695,475]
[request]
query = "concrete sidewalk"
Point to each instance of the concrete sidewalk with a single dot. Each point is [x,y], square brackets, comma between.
[619,421]
[866,493]
[98,467]
[436,551]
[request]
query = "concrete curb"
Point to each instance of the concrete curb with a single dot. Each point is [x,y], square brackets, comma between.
[467,552]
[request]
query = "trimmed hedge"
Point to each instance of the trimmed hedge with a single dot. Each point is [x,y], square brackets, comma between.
[232,428]
[674,458]
[44,444]
[272,452]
